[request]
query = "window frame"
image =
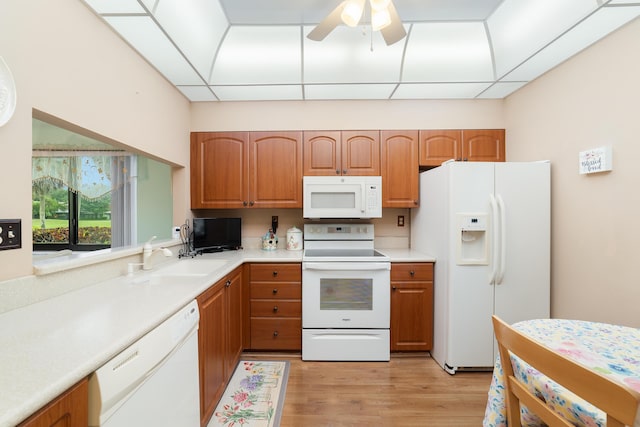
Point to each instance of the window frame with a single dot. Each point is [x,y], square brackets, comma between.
[72,244]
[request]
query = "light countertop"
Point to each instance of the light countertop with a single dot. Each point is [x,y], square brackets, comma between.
[48,346]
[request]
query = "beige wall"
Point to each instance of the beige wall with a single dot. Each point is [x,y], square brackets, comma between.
[590,101]
[68,64]
[357,115]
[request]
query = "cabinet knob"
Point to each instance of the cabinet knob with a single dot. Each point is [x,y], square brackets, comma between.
[251,203]
[415,202]
[244,203]
[228,283]
[275,273]
[393,287]
[337,171]
[275,333]
[412,273]
[275,291]
[275,308]
[344,171]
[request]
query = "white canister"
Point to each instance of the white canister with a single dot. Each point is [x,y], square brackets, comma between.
[294,239]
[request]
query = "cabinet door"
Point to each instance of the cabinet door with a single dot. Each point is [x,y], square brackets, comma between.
[70,409]
[219,170]
[212,338]
[483,145]
[234,315]
[361,153]
[275,170]
[437,146]
[411,306]
[322,153]
[399,166]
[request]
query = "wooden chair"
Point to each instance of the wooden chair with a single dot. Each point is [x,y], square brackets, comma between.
[616,400]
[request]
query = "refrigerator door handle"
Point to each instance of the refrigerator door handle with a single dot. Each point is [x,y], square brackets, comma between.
[503,240]
[495,246]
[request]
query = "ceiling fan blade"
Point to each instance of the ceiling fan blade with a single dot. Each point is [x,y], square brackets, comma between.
[395,31]
[327,25]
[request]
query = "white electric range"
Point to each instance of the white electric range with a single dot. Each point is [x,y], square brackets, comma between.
[345,294]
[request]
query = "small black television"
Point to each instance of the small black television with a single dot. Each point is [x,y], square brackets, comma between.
[216,234]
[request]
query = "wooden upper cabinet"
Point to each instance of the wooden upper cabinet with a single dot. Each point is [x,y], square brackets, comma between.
[361,152]
[473,145]
[483,145]
[275,170]
[219,169]
[231,170]
[399,166]
[341,153]
[437,146]
[322,155]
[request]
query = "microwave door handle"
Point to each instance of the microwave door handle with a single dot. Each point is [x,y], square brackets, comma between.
[363,206]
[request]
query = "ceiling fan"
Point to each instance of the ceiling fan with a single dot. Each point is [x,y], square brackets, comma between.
[384,18]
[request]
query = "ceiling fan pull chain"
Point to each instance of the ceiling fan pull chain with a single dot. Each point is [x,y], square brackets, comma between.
[371,38]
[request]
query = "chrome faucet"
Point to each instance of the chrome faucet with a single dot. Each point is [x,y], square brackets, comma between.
[148,251]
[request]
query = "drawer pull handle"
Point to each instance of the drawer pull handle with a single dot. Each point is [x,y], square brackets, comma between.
[412,273]
[275,333]
[228,283]
[275,308]
[275,273]
[275,291]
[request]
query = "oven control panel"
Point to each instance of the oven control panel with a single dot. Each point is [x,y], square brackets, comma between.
[338,232]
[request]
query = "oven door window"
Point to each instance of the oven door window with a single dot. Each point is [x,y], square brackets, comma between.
[346,294]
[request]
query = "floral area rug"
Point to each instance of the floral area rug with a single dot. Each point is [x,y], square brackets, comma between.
[254,396]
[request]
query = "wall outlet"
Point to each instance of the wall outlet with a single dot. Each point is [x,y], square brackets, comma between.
[400,220]
[10,234]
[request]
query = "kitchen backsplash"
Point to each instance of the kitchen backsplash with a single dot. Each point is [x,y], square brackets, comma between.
[256,222]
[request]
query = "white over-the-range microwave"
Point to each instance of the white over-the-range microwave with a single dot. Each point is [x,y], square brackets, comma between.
[342,197]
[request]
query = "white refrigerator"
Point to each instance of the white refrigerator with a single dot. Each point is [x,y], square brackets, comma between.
[488,226]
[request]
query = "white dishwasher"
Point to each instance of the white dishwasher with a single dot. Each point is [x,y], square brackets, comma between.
[154,382]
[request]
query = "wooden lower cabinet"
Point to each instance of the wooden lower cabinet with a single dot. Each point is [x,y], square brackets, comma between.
[411,306]
[219,339]
[70,409]
[275,301]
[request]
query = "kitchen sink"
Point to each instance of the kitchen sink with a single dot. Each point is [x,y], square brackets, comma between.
[180,272]
[190,267]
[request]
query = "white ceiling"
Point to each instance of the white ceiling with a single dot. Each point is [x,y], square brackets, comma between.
[245,50]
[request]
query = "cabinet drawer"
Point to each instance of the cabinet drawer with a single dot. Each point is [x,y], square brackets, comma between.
[409,271]
[276,272]
[276,308]
[276,291]
[276,334]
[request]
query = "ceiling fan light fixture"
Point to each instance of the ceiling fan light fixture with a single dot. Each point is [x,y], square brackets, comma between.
[379,4]
[352,12]
[380,19]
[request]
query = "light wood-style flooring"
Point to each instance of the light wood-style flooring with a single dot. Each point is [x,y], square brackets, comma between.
[407,391]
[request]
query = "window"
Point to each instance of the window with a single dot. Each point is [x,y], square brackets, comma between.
[82,201]
[91,192]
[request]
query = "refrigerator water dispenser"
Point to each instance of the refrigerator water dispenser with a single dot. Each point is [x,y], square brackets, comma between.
[473,248]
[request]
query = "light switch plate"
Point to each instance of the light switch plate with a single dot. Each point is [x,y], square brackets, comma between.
[10,234]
